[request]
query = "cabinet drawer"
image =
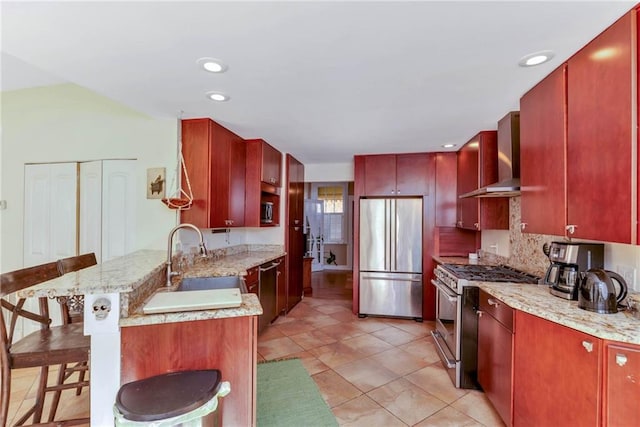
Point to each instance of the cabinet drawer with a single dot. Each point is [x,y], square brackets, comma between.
[251,279]
[496,308]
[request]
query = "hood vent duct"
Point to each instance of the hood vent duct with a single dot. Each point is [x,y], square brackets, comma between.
[508,184]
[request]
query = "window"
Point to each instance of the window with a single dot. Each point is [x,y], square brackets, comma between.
[333,202]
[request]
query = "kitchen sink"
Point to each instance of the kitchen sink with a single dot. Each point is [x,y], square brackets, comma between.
[205,283]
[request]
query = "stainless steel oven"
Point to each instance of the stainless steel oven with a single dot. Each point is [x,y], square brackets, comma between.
[456,333]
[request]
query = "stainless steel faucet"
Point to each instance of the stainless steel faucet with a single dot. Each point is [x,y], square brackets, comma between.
[203,248]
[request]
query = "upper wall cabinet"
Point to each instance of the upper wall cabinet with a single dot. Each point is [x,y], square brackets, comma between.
[267,159]
[543,156]
[477,166]
[215,159]
[446,200]
[395,174]
[577,127]
[602,104]
[295,179]
[263,168]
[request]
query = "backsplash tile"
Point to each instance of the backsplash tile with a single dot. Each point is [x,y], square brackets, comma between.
[525,248]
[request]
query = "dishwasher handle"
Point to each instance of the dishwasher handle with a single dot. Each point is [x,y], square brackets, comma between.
[272,266]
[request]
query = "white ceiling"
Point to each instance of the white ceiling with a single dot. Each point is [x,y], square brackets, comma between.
[321,80]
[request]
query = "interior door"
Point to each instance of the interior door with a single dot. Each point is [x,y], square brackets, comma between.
[314,228]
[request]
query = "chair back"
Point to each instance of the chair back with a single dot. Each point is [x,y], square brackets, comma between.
[75,263]
[15,281]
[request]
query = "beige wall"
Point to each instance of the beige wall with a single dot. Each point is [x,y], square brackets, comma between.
[66,123]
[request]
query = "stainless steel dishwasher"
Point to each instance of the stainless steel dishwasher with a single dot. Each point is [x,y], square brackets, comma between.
[267,292]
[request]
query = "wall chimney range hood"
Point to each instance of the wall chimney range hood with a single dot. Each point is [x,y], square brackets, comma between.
[508,184]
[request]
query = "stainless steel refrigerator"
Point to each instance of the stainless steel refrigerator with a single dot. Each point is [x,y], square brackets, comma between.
[391,257]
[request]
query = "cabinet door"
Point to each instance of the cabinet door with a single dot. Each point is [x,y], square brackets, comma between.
[236,170]
[556,374]
[600,130]
[446,189]
[543,118]
[621,385]
[495,359]
[281,287]
[380,175]
[271,165]
[412,174]
[295,190]
[295,254]
[467,171]
[195,150]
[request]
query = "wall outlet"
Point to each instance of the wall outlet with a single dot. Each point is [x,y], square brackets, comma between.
[628,273]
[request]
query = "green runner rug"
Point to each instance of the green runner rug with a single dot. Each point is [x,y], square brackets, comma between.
[288,397]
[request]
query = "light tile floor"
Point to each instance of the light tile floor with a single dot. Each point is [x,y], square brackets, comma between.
[373,371]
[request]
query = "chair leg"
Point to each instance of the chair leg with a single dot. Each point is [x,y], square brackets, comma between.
[57,393]
[5,393]
[42,385]
[36,409]
[81,378]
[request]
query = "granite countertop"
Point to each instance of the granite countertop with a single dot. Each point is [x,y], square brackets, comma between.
[250,307]
[137,276]
[119,275]
[463,260]
[536,300]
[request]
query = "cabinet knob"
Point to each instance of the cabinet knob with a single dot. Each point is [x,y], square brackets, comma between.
[479,313]
[459,223]
[296,221]
[621,359]
[571,228]
[493,302]
[476,225]
[523,225]
[393,191]
[588,345]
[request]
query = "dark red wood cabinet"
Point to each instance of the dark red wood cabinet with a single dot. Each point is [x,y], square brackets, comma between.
[294,234]
[621,386]
[495,354]
[543,162]
[396,174]
[262,160]
[215,161]
[600,144]
[446,189]
[557,372]
[477,166]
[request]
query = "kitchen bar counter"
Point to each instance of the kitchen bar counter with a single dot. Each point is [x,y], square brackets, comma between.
[536,300]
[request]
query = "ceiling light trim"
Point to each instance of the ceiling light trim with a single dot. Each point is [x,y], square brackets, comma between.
[212,65]
[218,96]
[536,58]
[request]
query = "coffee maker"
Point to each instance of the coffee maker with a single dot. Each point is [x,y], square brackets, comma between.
[568,260]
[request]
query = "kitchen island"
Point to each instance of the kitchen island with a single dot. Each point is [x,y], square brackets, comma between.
[127,345]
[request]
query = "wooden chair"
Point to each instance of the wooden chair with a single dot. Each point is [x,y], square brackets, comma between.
[72,312]
[50,346]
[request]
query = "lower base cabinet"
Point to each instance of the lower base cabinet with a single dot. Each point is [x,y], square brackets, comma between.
[621,385]
[229,345]
[557,374]
[495,354]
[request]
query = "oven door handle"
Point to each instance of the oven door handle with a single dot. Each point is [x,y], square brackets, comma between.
[445,290]
[437,336]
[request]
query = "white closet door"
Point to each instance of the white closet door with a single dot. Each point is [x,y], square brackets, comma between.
[118,207]
[91,209]
[50,222]
[50,216]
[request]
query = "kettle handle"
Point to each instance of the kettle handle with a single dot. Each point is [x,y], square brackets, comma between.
[623,285]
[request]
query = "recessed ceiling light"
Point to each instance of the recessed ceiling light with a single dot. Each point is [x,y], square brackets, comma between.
[218,96]
[212,65]
[535,58]
[448,145]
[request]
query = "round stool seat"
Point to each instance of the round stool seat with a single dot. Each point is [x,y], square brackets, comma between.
[168,395]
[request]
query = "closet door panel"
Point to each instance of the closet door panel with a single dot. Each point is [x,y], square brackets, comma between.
[118,208]
[91,209]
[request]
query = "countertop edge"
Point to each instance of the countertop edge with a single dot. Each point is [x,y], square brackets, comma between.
[536,300]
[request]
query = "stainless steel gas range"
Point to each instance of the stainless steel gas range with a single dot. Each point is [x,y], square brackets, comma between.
[456,334]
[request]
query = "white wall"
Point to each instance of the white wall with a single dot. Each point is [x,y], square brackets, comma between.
[64,123]
[328,172]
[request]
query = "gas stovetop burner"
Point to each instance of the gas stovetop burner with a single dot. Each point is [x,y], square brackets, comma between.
[489,273]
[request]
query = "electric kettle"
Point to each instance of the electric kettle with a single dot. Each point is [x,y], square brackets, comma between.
[597,291]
